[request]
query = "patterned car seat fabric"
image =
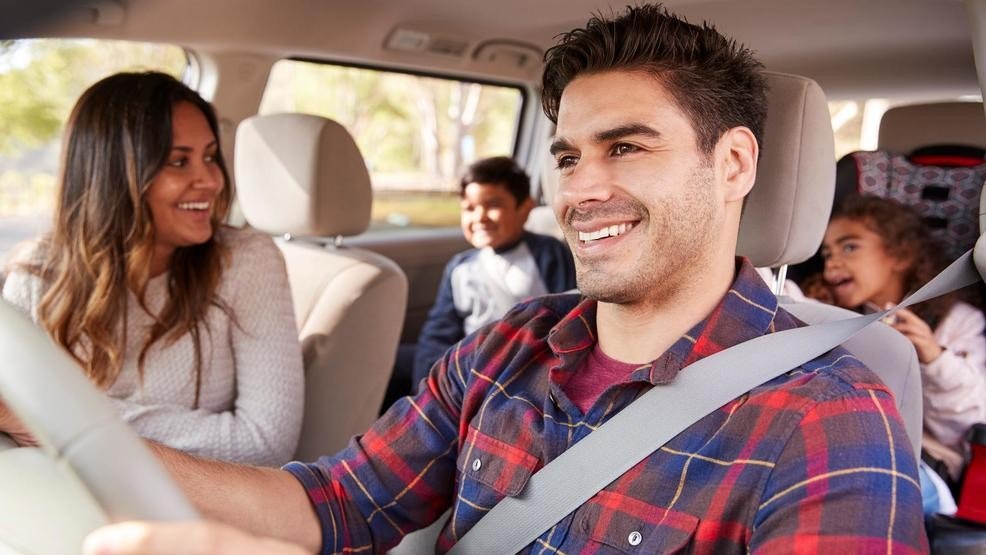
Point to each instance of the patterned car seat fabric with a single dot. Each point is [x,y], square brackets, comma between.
[929,156]
[941,182]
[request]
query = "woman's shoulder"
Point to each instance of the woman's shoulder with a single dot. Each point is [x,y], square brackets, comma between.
[247,244]
[242,237]
[27,253]
[22,284]
[249,250]
[25,260]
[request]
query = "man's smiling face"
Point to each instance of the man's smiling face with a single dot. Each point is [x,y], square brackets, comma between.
[636,198]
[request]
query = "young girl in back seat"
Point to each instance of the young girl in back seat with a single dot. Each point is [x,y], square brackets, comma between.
[876,251]
[186,323]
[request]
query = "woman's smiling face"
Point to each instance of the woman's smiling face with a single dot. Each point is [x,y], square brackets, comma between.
[182,195]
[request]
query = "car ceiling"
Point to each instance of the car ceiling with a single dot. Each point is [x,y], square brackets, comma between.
[854,48]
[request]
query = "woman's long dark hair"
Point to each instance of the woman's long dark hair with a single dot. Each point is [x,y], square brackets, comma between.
[118,137]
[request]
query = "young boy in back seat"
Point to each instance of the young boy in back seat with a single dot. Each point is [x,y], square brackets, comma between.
[507,265]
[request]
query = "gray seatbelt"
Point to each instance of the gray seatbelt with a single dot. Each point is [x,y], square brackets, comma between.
[568,481]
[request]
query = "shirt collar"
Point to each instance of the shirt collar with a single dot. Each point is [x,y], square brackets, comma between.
[746,311]
[512,245]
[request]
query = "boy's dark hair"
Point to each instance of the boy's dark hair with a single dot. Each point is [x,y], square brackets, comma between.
[500,170]
[716,82]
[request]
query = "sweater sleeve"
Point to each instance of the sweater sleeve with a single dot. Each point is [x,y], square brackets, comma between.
[955,383]
[442,329]
[21,288]
[264,424]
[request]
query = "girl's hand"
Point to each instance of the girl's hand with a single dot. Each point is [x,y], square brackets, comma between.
[919,333]
[11,425]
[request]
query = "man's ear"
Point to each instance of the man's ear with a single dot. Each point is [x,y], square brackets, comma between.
[737,152]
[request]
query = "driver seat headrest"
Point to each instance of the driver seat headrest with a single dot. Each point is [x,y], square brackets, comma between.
[788,209]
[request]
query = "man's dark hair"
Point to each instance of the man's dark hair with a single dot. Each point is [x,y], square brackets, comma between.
[716,82]
[500,170]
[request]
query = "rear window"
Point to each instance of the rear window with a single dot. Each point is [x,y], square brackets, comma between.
[857,122]
[417,133]
[40,80]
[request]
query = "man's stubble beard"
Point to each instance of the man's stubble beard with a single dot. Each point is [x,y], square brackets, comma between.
[678,249]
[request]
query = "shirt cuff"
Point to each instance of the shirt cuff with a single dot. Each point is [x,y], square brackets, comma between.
[318,491]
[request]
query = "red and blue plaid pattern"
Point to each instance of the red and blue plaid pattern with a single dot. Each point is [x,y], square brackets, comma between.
[816,460]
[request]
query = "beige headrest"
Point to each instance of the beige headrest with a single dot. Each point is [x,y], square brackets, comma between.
[303,175]
[905,128]
[787,210]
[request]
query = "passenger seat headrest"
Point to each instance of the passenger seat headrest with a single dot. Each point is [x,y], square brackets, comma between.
[906,128]
[788,209]
[303,175]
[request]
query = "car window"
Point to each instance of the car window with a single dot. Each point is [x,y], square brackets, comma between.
[417,133]
[856,123]
[40,80]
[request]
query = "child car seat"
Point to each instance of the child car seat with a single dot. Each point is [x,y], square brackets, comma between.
[931,157]
[941,182]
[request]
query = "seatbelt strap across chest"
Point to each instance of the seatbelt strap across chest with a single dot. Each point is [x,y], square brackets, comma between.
[571,479]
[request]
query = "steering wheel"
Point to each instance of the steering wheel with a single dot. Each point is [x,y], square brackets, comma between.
[84,446]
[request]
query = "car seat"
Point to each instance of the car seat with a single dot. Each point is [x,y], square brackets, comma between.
[303,177]
[931,157]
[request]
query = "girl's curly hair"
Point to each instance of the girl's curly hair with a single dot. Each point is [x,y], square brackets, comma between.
[906,237]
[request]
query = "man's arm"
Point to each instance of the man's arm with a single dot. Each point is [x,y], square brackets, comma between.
[263,501]
[402,471]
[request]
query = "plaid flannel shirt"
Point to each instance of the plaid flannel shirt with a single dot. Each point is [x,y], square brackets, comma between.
[816,460]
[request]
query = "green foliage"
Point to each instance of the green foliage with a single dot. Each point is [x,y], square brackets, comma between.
[414,132]
[40,81]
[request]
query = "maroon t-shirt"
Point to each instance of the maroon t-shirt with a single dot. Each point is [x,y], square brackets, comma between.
[594,376]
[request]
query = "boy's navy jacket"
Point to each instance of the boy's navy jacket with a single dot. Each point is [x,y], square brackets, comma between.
[444,325]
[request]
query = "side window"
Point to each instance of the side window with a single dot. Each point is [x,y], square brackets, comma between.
[40,80]
[416,133]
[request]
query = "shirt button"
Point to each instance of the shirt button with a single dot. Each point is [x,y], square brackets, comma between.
[634,538]
[476,465]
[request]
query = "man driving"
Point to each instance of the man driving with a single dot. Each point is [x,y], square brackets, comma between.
[659,127]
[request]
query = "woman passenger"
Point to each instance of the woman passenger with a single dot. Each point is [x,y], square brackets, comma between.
[186,323]
[876,251]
